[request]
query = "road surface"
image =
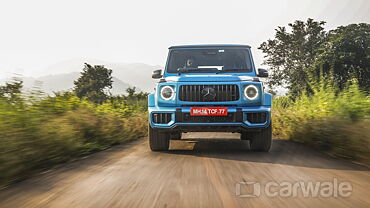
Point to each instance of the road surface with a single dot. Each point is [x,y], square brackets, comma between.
[200,172]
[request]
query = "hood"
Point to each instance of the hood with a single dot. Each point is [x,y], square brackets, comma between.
[208,78]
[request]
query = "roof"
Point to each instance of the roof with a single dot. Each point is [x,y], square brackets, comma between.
[210,46]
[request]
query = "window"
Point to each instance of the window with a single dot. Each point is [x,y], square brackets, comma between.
[209,60]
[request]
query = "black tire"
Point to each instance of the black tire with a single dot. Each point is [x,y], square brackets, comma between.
[261,141]
[244,136]
[158,141]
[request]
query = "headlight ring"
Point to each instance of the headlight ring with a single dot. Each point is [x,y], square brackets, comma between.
[167,92]
[251,92]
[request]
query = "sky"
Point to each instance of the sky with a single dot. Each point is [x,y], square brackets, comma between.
[39,33]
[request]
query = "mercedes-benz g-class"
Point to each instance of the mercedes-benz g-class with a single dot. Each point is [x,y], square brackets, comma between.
[210,88]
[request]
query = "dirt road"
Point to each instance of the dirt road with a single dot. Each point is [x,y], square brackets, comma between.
[197,173]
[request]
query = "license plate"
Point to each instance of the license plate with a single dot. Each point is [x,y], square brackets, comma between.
[208,111]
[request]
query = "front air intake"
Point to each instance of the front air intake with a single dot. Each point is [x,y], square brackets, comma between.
[257,117]
[161,118]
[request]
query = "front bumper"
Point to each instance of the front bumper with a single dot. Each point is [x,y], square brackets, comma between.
[240,121]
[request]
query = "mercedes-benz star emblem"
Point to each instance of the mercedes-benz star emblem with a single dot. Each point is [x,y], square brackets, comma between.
[208,93]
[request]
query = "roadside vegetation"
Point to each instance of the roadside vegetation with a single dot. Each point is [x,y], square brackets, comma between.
[327,74]
[335,122]
[38,131]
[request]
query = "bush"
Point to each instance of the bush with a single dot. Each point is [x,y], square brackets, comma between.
[37,132]
[337,122]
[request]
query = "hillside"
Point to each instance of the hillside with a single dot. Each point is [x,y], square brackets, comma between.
[60,76]
[134,74]
[64,82]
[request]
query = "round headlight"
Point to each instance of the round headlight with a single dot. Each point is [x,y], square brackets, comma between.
[167,93]
[251,92]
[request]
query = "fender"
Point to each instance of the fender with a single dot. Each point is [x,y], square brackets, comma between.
[267,99]
[151,100]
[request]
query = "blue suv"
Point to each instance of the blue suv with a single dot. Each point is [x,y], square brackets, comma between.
[210,88]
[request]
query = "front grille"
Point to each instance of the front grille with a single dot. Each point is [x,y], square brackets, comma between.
[209,93]
[161,118]
[258,117]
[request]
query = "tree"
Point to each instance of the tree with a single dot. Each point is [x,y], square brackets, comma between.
[291,53]
[11,90]
[131,91]
[94,83]
[346,54]
[133,94]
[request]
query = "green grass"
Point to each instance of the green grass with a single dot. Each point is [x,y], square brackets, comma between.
[38,132]
[332,121]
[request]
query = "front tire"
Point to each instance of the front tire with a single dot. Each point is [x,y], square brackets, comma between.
[244,136]
[261,141]
[158,141]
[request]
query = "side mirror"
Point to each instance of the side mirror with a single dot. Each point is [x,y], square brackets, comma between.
[157,74]
[263,73]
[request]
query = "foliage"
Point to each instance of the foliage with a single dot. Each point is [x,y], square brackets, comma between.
[38,132]
[94,83]
[291,52]
[334,121]
[11,90]
[347,54]
[306,48]
[133,94]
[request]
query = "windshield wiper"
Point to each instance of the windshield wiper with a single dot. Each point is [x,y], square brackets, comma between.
[197,70]
[236,70]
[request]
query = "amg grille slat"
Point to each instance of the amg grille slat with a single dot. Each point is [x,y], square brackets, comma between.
[218,93]
[222,97]
[226,91]
[191,93]
[187,93]
[234,91]
[222,93]
[196,90]
[181,93]
[231,91]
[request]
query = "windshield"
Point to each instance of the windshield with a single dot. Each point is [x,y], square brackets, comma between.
[209,60]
